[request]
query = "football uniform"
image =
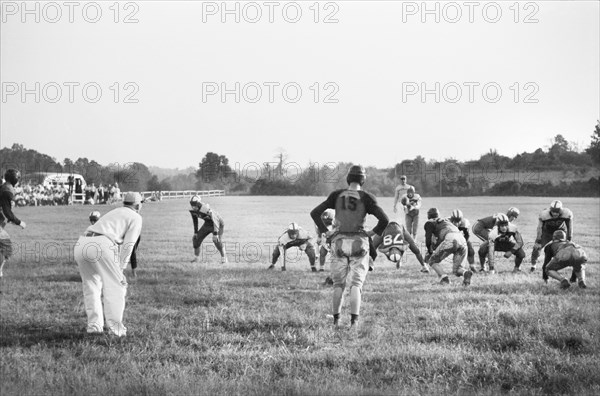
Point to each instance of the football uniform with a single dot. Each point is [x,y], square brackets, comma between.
[7,196]
[507,241]
[213,223]
[449,240]
[303,241]
[411,210]
[396,236]
[349,240]
[482,227]
[562,254]
[463,226]
[328,219]
[546,227]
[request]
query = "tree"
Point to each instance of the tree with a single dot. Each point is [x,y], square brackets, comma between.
[213,167]
[594,149]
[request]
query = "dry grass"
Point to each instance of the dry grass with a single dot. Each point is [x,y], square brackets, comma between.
[239,329]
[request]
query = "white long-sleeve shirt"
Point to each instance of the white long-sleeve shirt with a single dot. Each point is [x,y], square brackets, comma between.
[123,226]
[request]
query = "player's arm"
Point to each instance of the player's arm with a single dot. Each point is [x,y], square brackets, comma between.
[492,245]
[396,198]
[519,240]
[5,201]
[216,220]
[374,209]
[548,254]
[194,221]
[130,239]
[429,228]
[538,238]
[418,203]
[569,223]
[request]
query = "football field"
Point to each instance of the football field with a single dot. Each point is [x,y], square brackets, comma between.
[209,328]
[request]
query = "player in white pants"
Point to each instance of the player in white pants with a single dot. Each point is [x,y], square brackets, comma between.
[102,254]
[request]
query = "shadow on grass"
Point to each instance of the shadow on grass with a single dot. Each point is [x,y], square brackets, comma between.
[62,278]
[26,335]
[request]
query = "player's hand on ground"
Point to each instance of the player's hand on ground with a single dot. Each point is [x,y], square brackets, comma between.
[215,238]
[23,225]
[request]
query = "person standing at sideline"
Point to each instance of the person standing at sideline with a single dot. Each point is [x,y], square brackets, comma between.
[7,196]
[401,190]
[102,253]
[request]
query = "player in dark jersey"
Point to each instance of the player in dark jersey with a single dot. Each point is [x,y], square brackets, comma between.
[561,253]
[551,219]
[349,240]
[482,227]
[504,237]
[294,236]
[213,223]
[448,240]
[462,223]
[7,195]
[393,244]
[328,218]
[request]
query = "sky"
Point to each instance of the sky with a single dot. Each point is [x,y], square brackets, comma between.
[375,82]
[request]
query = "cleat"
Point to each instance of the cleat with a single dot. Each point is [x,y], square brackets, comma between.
[473,269]
[492,271]
[224,260]
[328,281]
[532,268]
[195,260]
[425,270]
[565,284]
[582,285]
[445,280]
[271,266]
[313,269]
[322,270]
[467,278]
[516,270]
[283,268]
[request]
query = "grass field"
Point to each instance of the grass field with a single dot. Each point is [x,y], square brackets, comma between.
[240,329]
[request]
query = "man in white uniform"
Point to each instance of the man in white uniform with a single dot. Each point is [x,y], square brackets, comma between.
[102,253]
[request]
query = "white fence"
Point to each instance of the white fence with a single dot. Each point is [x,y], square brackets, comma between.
[182,194]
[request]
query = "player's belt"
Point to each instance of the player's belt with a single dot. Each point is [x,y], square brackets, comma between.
[91,234]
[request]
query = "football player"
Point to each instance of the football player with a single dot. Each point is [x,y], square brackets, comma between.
[462,223]
[561,253]
[328,218]
[482,227]
[7,196]
[504,237]
[94,216]
[401,189]
[449,240]
[294,236]
[411,203]
[213,223]
[551,219]
[349,241]
[393,244]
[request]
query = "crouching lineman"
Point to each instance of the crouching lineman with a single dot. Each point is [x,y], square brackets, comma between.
[328,217]
[349,241]
[7,196]
[504,237]
[393,244]
[551,219]
[449,240]
[560,254]
[294,236]
[462,223]
[213,223]
[482,227]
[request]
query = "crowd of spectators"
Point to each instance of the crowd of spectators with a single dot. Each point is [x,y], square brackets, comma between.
[29,194]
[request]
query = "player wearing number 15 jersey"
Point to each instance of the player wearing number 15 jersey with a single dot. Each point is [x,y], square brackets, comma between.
[349,240]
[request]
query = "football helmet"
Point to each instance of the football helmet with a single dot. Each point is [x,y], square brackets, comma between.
[356,174]
[555,206]
[559,235]
[513,212]
[195,200]
[410,190]
[502,219]
[94,216]
[456,216]
[293,230]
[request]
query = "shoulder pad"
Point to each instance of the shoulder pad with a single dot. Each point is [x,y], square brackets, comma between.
[566,213]
[545,214]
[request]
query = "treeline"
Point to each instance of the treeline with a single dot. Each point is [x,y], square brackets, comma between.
[560,170]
